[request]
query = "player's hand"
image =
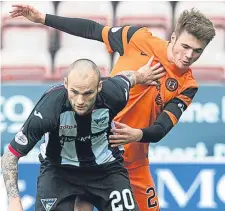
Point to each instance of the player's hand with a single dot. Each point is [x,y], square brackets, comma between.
[150,74]
[123,134]
[28,12]
[15,204]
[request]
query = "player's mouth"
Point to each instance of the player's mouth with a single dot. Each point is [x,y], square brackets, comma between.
[80,108]
[185,63]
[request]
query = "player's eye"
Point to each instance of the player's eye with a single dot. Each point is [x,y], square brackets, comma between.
[185,46]
[198,51]
[74,92]
[87,93]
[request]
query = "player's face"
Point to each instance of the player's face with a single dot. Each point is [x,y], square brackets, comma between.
[82,93]
[186,49]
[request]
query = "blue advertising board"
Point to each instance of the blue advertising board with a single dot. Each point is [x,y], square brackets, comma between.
[180,186]
[16,102]
[200,132]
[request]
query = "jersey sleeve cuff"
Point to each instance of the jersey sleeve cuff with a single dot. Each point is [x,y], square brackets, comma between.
[145,137]
[105,32]
[17,154]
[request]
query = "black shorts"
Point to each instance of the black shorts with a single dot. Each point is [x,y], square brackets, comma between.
[106,186]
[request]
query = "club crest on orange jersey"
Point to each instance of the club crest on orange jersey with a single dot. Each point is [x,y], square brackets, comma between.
[171,84]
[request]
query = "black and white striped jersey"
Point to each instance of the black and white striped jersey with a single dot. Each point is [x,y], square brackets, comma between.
[69,138]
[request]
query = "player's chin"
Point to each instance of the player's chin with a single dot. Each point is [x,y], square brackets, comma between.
[81,112]
[182,66]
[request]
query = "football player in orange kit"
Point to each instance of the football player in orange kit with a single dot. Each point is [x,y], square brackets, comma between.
[154,110]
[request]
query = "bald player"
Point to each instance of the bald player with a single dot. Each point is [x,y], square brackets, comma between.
[76,158]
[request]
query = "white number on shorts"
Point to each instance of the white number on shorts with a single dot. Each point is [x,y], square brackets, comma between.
[127,198]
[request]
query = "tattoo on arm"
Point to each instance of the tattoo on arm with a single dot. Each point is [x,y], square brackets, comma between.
[10,174]
[131,76]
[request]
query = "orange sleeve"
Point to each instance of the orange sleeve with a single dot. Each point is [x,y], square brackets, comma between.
[105,38]
[117,39]
[140,38]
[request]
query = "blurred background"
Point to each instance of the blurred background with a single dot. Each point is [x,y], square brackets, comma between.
[188,164]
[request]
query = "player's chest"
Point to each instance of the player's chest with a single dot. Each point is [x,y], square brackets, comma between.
[168,88]
[95,123]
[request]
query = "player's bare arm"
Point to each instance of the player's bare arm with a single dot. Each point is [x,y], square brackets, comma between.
[10,174]
[146,75]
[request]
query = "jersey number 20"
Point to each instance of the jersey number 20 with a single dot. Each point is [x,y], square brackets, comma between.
[127,197]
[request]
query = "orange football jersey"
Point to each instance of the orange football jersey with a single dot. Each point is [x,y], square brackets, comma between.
[136,46]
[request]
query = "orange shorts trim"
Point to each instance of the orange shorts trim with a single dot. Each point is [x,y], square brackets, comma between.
[144,188]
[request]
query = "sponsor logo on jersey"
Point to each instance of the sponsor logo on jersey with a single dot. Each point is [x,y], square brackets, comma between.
[115,29]
[67,126]
[181,106]
[100,121]
[143,54]
[21,139]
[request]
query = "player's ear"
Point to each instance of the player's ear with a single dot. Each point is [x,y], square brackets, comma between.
[65,82]
[100,86]
[173,37]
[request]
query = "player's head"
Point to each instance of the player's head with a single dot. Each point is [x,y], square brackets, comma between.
[192,34]
[82,82]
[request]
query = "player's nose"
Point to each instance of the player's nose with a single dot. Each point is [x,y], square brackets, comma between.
[80,100]
[189,54]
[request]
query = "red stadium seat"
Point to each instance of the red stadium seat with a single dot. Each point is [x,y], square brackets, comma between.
[25,66]
[64,57]
[210,68]
[27,33]
[157,16]
[20,38]
[100,11]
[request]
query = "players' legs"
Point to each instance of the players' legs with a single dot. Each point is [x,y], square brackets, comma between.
[82,204]
[112,190]
[53,191]
[144,188]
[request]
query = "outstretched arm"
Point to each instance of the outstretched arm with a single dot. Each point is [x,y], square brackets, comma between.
[116,39]
[76,26]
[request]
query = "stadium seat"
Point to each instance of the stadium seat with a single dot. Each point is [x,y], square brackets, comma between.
[157,16]
[100,11]
[27,33]
[25,65]
[18,38]
[213,10]
[210,67]
[64,57]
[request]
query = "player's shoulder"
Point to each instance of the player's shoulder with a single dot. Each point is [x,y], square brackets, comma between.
[58,88]
[134,32]
[52,98]
[115,92]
